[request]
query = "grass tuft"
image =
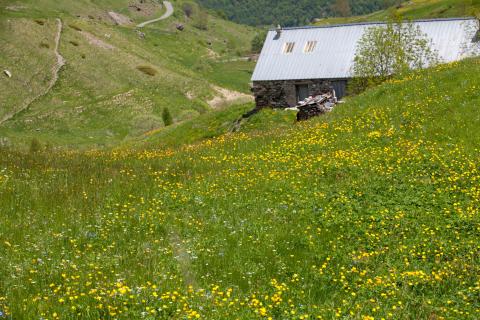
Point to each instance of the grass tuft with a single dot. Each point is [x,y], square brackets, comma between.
[147,70]
[75,27]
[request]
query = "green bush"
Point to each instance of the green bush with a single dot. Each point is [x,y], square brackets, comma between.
[35,146]
[258,40]
[147,70]
[167,117]
[188,9]
[201,20]
[75,27]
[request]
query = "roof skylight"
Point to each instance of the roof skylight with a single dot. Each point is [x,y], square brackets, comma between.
[288,47]
[310,46]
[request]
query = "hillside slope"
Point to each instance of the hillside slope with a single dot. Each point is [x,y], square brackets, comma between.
[416,9]
[116,82]
[370,212]
[288,13]
[291,13]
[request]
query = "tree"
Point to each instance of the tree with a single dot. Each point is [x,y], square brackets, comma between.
[384,51]
[258,41]
[167,117]
[201,20]
[471,44]
[342,8]
[188,9]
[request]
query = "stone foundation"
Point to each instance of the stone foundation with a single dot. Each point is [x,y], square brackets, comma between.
[283,93]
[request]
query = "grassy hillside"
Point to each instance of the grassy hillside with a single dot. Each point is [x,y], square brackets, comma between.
[370,212]
[102,96]
[417,9]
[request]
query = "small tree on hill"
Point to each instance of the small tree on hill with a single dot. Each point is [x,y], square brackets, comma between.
[167,117]
[384,51]
[342,8]
[201,20]
[35,146]
[471,44]
[257,41]
[188,9]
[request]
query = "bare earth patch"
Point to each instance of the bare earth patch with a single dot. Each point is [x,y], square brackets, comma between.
[120,19]
[15,7]
[145,8]
[212,54]
[96,42]
[226,97]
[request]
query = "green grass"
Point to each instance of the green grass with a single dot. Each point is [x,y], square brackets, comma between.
[101,98]
[417,9]
[368,212]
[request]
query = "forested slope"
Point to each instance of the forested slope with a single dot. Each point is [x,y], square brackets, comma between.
[289,13]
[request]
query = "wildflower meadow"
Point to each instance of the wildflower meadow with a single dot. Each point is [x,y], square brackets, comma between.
[371,212]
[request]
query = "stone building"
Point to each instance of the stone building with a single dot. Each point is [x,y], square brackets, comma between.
[298,62]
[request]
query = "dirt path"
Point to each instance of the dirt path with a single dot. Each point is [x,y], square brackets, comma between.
[227,97]
[168,5]
[60,62]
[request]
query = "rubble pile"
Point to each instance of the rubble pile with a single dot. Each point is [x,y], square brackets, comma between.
[316,105]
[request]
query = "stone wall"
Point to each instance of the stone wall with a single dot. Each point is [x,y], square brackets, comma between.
[283,93]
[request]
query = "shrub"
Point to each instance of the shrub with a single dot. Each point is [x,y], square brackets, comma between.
[40,21]
[35,146]
[147,70]
[75,27]
[188,9]
[258,40]
[74,43]
[167,117]
[44,45]
[201,20]
[221,14]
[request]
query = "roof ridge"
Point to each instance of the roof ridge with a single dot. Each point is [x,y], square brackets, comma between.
[374,23]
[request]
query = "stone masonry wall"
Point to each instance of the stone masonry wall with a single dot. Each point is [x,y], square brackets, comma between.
[283,93]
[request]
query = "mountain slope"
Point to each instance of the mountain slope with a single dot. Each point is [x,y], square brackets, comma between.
[417,9]
[289,13]
[116,82]
[369,212]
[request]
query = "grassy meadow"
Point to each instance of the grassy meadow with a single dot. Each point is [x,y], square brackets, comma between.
[115,84]
[370,212]
[416,9]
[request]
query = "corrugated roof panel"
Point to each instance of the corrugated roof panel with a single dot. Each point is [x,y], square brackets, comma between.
[335,51]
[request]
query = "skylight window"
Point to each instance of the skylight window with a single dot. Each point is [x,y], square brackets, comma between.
[288,47]
[310,46]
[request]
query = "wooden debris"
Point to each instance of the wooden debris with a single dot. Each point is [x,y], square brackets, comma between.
[317,105]
[7,73]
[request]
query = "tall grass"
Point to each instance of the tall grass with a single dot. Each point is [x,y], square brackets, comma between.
[370,212]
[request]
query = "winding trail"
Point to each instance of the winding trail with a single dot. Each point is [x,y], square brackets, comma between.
[60,62]
[168,5]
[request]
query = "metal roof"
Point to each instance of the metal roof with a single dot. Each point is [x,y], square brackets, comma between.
[334,53]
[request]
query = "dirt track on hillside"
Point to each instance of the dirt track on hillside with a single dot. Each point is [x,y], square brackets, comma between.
[60,62]
[168,5]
